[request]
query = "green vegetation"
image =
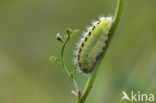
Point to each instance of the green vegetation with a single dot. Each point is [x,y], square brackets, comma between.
[28,38]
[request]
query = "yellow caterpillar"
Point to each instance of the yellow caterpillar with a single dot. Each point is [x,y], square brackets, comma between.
[92,44]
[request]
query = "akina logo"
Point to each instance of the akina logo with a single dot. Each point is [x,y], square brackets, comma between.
[138,97]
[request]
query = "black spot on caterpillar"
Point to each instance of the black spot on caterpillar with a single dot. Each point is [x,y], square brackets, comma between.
[93,28]
[85,39]
[89,33]
[79,50]
[82,45]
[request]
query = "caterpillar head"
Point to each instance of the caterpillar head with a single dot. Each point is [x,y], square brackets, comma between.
[92,44]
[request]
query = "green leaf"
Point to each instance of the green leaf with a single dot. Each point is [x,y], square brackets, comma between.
[71,75]
[55,60]
[71,33]
[74,32]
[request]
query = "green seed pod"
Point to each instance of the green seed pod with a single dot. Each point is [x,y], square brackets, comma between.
[92,44]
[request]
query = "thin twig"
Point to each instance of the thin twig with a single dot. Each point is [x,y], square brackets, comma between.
[64,66]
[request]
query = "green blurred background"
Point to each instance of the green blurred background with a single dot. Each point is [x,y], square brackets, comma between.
[27,40]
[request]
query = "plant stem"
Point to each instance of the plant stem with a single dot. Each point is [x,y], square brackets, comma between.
[92,76]
[62,59]
[64,66]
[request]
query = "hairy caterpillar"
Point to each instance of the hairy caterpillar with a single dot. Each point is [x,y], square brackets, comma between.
[92,44]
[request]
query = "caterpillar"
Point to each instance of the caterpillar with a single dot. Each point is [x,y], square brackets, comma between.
[92,44]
